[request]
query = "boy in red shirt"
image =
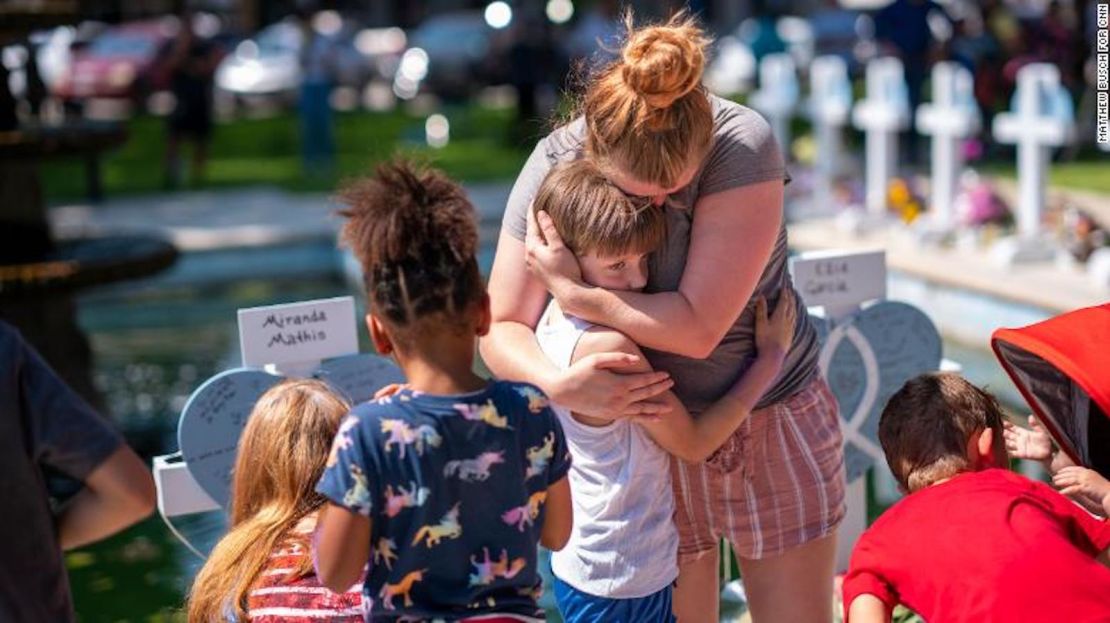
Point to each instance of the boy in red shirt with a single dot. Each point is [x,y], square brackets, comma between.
[972,541]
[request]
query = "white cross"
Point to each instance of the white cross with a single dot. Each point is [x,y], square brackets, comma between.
[1037,123]
[881,115]
[951,117]
[830,102]
[777,96]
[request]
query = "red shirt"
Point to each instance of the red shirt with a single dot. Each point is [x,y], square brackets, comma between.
[985,546]
[276,599]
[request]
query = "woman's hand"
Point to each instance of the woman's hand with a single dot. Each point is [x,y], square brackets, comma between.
[592,387]
[547,258]
[775,334]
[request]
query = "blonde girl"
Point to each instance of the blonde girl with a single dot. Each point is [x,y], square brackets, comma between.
[261,571]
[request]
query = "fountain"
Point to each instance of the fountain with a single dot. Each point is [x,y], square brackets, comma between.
[39,275]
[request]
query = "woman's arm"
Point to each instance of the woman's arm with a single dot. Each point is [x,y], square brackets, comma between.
[693,440]
[731,240]
[689,439]
[342,547]
[510,350]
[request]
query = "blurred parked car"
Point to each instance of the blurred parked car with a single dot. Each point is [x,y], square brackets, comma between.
[126,61]
[449,54]
[269,64]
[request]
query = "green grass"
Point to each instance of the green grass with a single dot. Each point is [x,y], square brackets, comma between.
[1090,173]
[484,145]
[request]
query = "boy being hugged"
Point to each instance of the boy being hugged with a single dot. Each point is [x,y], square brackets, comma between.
[446,486]
[972,541]
[621,560]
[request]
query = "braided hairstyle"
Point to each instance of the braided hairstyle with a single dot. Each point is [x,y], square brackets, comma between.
[413,231]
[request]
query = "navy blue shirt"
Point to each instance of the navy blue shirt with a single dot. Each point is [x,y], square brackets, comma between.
[455,487]
[42,423]
[905,23]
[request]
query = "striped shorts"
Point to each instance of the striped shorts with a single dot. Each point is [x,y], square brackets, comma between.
[776,484]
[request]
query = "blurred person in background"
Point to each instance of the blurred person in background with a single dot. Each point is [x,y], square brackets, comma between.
[192,66]
[596,35]
[1058,40]
[318,69]
[36,91]
[532,66]
[902,28]
[45,425]
[761,31]
[977,48]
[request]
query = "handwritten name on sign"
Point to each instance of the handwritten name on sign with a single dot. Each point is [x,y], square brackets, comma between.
[835,279]
[306,331]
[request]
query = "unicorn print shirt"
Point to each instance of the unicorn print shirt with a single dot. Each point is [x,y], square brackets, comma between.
[455,489]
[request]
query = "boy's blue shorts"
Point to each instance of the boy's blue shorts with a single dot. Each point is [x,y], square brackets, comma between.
[579,607]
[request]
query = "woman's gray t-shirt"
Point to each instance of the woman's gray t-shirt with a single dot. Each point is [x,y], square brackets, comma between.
[744,152]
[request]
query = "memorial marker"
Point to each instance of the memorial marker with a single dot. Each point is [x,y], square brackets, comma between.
[289,341]
[830,104]
[866,355]
[950,118]
[777,97]
[881,115]
[1042,119]
[297,335]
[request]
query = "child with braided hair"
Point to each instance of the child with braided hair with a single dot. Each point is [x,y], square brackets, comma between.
[451,466]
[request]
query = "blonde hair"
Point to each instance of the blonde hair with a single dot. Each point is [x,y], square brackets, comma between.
[647,114]
[281,456]
[591,214]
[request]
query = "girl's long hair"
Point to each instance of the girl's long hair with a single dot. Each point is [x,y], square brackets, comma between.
[282,454]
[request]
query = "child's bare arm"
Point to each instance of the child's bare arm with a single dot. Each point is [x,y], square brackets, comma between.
[868,608]
[342,547]
[677,432]
[1086,486]
[558,516]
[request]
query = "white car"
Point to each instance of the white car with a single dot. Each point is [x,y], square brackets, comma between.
[269,64]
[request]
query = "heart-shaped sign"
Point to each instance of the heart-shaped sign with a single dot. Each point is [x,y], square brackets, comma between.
[865,360]
[358,377]
[215,414]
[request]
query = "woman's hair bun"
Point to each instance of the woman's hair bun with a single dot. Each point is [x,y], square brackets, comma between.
[662,63]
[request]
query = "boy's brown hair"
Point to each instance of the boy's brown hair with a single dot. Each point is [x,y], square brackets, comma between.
[925,427]
[593,215]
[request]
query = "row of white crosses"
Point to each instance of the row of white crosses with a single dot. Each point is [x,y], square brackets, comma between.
[1042,119]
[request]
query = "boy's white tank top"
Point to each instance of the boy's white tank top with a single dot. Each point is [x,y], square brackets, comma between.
[624,543]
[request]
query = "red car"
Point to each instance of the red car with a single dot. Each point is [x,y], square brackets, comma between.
[124,62]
